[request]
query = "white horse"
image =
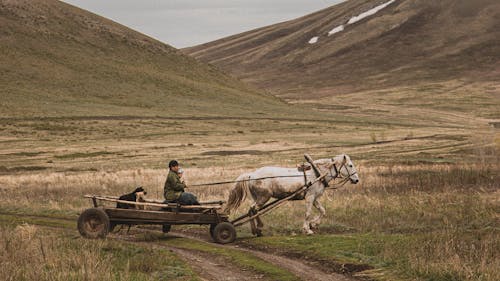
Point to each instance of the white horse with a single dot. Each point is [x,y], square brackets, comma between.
[280,182]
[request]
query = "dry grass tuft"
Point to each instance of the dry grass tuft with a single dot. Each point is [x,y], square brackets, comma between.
[30,254]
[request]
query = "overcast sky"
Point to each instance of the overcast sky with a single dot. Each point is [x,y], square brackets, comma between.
[183,23]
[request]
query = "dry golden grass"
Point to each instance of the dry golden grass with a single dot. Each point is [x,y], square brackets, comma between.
[422,222]
[445,214]
[431,182]
[29,254]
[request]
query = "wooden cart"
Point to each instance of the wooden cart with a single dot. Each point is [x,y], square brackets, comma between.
[98,221]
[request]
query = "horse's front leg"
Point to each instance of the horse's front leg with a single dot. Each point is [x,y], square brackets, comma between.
[307,221]
[322,212]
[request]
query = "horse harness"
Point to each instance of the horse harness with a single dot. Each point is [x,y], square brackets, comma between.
[334,168]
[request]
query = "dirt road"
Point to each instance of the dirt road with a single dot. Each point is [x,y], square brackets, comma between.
[214,268]
[297,267]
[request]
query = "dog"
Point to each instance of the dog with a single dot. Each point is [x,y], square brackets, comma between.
[135,196]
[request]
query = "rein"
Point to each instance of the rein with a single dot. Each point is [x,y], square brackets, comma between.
[337,175]
[226,182]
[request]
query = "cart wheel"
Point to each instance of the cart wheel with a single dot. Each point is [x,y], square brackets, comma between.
[93,223]
[212,227]
[224,233]
[166,228]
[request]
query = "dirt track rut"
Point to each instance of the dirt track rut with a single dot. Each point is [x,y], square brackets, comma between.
[212,268]
[294,266]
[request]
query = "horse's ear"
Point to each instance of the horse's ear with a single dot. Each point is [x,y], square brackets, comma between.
[345,159]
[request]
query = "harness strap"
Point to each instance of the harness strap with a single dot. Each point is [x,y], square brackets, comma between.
[305,176]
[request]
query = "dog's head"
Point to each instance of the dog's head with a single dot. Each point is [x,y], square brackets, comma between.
[140,191]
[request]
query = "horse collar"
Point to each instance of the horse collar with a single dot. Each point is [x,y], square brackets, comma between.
[336,170]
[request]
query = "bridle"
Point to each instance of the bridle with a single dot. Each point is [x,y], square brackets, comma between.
[338,174]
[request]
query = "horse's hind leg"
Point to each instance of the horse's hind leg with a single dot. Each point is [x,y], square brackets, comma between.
[257,207]
[259,203]
[260,196]
[251,212]
[260,224]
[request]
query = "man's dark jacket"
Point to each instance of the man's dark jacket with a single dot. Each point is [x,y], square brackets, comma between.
[173,187]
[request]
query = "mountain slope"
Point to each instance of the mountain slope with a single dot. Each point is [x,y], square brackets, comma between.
[59,60]
[344,49]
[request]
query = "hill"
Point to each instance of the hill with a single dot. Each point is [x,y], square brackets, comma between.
[59,60]
[366,45]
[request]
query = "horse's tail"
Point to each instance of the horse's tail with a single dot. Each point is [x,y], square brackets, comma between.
[237,194]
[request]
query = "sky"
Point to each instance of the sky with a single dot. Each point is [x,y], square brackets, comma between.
[184,23]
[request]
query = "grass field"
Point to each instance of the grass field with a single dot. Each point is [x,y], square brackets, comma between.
[38,253]
[91,107]
[426,208]
[419,222]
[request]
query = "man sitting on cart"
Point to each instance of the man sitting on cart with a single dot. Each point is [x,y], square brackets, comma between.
[174,187]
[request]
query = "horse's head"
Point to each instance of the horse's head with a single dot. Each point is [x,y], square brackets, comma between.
[346,168]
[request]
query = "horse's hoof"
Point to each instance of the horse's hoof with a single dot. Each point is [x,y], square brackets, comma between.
[259,233]
[308,231]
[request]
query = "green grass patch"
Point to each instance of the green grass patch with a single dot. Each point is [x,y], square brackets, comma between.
[143,263]
[83,155]
[16,219]
[15,169]
[347,251]
[242,259]
[26,154]
[39,212]
[12,216]
[387,256]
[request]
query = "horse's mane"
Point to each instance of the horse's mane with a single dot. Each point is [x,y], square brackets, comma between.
[323,162]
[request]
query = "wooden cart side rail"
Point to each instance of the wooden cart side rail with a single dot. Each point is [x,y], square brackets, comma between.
[124,215]
[246,218]
[156,221]
[216,202]
[105,198]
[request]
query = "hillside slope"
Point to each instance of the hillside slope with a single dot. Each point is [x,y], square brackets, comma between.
[348,48]
[59,60]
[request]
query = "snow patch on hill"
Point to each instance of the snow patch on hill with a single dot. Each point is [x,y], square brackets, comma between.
[314,40]
[369,12]
[354,19]
[337,29]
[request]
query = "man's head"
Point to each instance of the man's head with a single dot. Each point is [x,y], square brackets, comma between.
[173,165]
